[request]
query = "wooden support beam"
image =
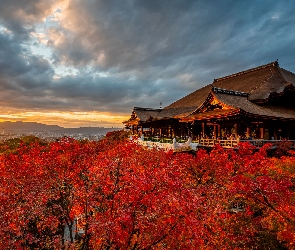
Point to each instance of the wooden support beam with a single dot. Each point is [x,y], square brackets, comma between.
[203,129]
[248,132]
[262,133]
[236,127]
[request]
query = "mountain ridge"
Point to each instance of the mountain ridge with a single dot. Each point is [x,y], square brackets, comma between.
[20,126]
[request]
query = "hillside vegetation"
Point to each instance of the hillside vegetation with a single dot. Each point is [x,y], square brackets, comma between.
[114,194]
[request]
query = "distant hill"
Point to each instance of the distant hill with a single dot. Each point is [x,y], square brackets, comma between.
[88,130]
[26,127]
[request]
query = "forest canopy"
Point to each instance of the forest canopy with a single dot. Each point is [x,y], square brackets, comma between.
[115,194]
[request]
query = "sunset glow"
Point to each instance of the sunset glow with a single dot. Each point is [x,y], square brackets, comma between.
[88,63]
[68,119]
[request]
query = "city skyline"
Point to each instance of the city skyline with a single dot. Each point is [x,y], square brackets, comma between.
[77,63]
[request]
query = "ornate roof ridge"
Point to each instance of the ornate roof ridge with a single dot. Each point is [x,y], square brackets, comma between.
[287,70]
[146,109]
[275,63]
[229,92]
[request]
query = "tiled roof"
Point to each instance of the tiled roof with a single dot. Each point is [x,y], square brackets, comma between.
[251,108]
[289,76]
[146,113]
[194,99]
[259,83]
[243,91]
[212,114]
[176,112]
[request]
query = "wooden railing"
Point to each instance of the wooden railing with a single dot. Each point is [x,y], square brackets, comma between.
[172,144]
[260,143]
[234,143]
[213,142]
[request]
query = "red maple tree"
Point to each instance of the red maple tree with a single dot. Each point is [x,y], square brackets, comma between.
[125,196]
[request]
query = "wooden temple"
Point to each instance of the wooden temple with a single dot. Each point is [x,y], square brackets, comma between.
[258,103]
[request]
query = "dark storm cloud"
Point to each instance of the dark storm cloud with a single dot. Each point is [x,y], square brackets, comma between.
[158,33]
[147,51]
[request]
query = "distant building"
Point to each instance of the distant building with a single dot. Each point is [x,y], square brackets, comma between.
[256,103]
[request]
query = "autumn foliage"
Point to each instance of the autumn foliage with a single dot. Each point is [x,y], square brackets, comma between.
[115,194]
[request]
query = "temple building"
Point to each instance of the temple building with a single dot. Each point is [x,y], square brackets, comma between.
[258,103]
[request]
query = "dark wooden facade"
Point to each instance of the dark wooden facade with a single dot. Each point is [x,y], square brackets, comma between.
[258,103]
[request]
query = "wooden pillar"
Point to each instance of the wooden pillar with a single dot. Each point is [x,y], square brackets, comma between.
[214,132]
[275,133]
[203,129]
[219,131]
[248,131]
[181,129]
[132,129]
[262,133]
[236,130]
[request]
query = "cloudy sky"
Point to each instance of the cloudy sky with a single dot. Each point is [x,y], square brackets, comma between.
[89,62]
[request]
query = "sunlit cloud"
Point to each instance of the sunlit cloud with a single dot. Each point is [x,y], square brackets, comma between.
[42,38]
[74,62]
[5,31]
[67,119]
